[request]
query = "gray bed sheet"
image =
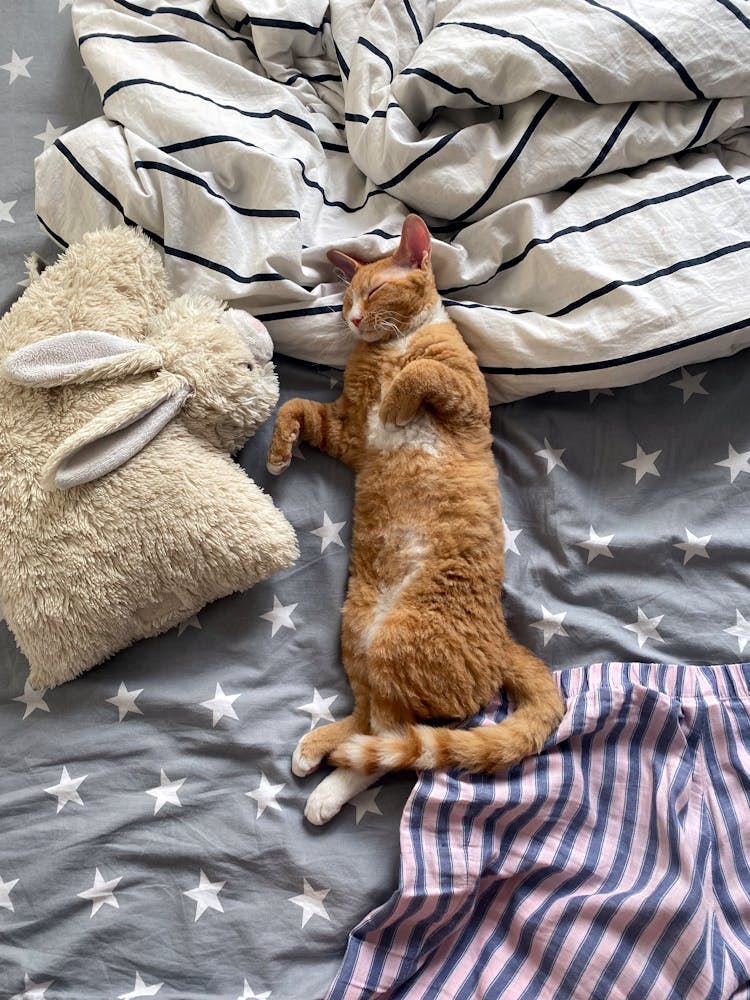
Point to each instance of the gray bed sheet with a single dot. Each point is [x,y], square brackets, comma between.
[151,832]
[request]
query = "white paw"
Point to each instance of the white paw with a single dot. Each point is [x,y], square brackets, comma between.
[303,765]
[324,803]
[277,468]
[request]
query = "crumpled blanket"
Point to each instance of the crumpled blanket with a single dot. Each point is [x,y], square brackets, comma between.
[581,165]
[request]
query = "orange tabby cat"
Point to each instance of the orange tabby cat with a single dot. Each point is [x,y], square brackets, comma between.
[423,632]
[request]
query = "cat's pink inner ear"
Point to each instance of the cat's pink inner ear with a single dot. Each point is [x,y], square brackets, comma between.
[415,247]
[343,263]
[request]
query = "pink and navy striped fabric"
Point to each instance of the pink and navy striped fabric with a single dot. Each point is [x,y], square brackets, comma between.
[616,864]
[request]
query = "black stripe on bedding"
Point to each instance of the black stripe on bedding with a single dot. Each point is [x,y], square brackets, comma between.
[367,44]
[656,44]
[559,65]
[413,19]
[419,160]
[510,159]
[172,251]
[212,140]
[143,81]
[594,224]
[154,39]
[733,10]
[190,15]
[52,233]
[704,123]
[440,82]
[615,135]
[295,313]
[277,22]
[627,359]
[259,213]
[341,60]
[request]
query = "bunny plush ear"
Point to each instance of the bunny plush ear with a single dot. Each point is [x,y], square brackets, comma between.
[116,434]
[78,357]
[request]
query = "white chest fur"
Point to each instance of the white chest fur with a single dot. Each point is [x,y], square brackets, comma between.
[420,433]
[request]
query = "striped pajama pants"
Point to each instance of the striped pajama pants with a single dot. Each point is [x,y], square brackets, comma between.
[615,864]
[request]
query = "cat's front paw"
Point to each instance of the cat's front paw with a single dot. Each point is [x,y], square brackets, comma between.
[280,450]
[397,410]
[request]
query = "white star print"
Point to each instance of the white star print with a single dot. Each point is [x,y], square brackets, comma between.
[593,393]
[694,546]
[690,384]
[124,700]
[365,803]
[265,795]
[32,990]
[319,708]
[63,5]
[550,624]
[190,623]
[280,616]
[329,532]
[17,66]
[206,896]
[552,456]
[32,699]
[5,890]
[509,538]
[140,989]
[101,893]
[645,628]
[741,630]
[5,207]
[248,994]
[50,134]
[736,462]
[166,792]
[66,790]
[644,464]
[221,705]
[311,902]
[597,545]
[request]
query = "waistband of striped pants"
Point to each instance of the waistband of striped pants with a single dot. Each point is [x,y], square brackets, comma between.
[677,680]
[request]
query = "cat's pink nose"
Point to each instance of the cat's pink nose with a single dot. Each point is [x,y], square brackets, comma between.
[356,320]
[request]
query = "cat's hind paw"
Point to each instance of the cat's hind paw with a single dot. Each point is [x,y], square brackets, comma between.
[302,763]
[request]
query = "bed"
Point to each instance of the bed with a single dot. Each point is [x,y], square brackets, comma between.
[151,831]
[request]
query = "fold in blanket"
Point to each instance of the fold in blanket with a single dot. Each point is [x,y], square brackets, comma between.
[581,165]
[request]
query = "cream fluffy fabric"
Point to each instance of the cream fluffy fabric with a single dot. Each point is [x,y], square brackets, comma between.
[87,571]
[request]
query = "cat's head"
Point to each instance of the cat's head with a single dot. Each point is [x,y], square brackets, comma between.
[394,295]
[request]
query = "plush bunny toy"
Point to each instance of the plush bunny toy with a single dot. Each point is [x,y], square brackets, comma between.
[121,512]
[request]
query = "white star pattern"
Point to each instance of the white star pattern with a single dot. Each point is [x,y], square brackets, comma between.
[140,989]
[101,893]
[32,699]
[166,792]
[17,66]
[550,624]
[124,701]
[32,990]
[644,464]
[311,902]
[690,385]
[319,708]
[552,456]
[206,896]
[248,994]
[5,890]
[5,207]
[509,538]
[66,790]
[736,462]
[63,4]
[741,631]
[329,532]
[190,623]
[50,134]
[221,705]
[280,616]
[694,546]
[365,803]
[596,545]
[645,628]
[265,795]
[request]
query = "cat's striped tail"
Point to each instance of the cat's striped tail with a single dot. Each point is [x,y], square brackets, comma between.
[539,709]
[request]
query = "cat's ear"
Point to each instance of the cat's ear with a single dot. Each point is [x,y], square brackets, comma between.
[344,264]
[415,247]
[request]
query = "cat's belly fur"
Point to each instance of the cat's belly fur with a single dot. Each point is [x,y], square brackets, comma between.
[419,433]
